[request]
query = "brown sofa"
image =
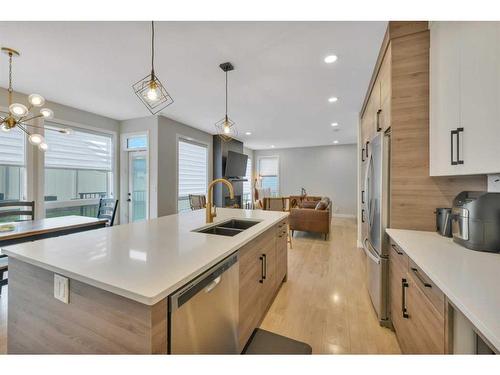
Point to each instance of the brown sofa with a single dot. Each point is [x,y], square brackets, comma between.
[306,215]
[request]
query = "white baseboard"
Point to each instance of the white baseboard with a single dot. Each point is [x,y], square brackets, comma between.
[360,244]
[347,216]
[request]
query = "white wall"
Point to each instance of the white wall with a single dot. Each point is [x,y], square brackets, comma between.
[324,170]
[168,133]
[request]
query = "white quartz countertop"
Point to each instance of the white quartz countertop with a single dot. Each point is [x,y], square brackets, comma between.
[470,279]
[144,261]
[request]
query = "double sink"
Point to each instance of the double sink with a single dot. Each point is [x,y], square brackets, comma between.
[228,228]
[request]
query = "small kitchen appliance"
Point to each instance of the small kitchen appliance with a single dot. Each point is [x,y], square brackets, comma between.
[475,220]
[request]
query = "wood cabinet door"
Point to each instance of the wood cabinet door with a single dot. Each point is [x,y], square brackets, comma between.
[426,323]
[398,286]
[270,272]
[385,91]
[444,95]
[281,253]
[251,289]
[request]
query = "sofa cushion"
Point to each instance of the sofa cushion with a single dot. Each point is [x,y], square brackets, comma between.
[323,203]
[309,204]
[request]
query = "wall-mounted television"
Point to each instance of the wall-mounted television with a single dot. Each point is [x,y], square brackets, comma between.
[236,165]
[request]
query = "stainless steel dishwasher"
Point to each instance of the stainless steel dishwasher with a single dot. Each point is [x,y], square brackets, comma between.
[204,313]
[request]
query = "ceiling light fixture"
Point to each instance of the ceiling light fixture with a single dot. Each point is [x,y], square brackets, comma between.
[272,146]
[248,133]
[226,128]
[149,89]
[330,59]
[334,124]
[20,115]
[333,99]
[335,142]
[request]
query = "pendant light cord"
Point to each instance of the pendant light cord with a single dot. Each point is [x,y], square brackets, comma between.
[226,94]
[152,47]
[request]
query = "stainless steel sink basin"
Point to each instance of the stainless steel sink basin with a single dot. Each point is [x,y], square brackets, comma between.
[228,228]
[239,224]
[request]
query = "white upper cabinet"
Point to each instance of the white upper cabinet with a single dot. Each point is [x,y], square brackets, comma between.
[464,98]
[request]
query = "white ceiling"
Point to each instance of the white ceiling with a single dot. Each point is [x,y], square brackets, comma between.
[278,90]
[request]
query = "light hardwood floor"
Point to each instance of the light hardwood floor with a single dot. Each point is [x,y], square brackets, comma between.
[324,302]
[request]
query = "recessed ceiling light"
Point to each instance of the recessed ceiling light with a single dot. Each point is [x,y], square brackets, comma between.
[248,133]
[272,146]
[335,142]
[333,99]
[330,59]
[334,124]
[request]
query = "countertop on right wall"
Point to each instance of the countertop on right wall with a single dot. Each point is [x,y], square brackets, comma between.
[470,279]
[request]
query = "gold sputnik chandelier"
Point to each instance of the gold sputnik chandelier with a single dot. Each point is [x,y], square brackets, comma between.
[20,115]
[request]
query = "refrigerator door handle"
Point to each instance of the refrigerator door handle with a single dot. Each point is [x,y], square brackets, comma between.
[370,252]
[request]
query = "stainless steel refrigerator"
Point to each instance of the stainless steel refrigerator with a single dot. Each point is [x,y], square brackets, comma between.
[375,218]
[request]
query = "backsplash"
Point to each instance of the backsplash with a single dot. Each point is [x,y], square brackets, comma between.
[494,183]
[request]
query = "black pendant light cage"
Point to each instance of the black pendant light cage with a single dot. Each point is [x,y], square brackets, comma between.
[226,129]
[142,86]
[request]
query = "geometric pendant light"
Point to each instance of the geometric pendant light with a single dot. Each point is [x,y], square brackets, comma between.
[226,128]
[149,89]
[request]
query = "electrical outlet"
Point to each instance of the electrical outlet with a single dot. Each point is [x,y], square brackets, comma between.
[61,288]
[494,183]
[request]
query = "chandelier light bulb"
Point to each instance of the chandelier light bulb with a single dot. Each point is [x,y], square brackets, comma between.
[227,129]
[36,100]
[43,146]
[18,109]
[36,139]
[5,128]
[47,113]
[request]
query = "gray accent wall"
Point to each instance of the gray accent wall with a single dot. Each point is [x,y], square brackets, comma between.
[168,132]
[323,170]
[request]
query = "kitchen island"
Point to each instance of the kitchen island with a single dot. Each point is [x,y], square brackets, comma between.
[120,278]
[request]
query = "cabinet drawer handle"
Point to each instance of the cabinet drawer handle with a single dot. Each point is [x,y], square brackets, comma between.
[363,155]
[366,148]
[459,130]
[404,285]
[396,249]
[420,278]
[378,120]
[362,196]
[363,215]
[261,269]
[265,266]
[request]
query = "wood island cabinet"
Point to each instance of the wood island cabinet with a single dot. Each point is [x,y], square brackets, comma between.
[263,267]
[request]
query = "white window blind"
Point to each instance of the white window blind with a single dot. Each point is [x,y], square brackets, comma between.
[12,148]
[79,150]
[193,168]
[247,185]
[268,166]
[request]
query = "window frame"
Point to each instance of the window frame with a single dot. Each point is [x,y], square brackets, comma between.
[26,192]
[259,158]
[39,171]
[180,138]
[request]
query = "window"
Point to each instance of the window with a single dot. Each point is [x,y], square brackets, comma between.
[78,171]
[192,171]
[269,174]
[247,185]
[12,167]
[137,142]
